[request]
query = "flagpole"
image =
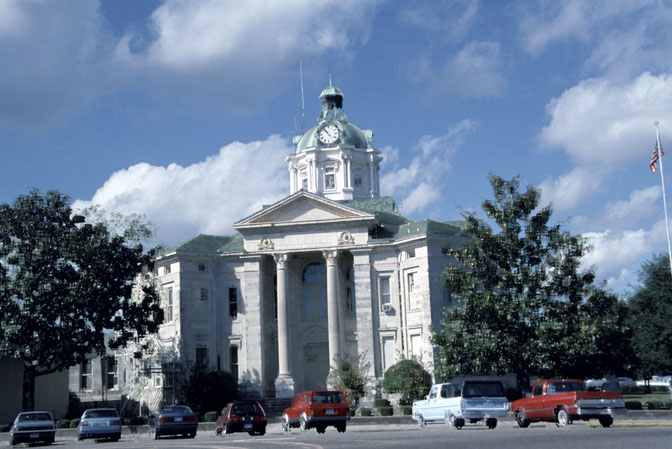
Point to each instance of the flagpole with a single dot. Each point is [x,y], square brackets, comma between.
[662,181]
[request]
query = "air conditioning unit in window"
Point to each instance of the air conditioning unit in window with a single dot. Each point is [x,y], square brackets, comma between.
[387,308]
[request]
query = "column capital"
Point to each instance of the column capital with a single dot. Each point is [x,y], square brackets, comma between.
[330,255]
[280,259]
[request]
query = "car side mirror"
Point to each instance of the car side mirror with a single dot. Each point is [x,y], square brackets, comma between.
[528,395]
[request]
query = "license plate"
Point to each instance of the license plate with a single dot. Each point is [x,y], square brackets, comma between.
[247,426]
[330,411]
[34,435]
[178,418]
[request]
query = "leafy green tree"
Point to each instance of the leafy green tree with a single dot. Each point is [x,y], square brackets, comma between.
[207,390]
[651,317]
[519,294]
[62,282]
[409,378]
[352,378]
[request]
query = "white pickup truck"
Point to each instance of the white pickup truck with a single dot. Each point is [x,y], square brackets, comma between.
[471,400]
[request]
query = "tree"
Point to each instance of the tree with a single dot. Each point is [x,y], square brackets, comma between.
[519,295]
[351,377]
[408,378]
[651,317]
[62,283]
[207,390]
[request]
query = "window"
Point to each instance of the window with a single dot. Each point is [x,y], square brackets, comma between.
[329,178]
[202,355]
[410,278]
[304,184]
[411,253]
[384,290]
[166,269]
[111,378]
[358,182]
[204,294]
[86,376]
[350,292]
[233,361]
[201,267]
[314,293]
[233,302]
[388,352]
[169,304]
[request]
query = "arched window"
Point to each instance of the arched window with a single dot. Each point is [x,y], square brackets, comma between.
[315,291]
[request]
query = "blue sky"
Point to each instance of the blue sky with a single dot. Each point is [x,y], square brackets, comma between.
[184,110]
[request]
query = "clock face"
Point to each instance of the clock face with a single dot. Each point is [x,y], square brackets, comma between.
[329,134]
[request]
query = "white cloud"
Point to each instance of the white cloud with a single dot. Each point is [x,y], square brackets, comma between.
[475,71]
[451,17]
[566,191]
[206,197]
[420,184]
[640,204]
[617,255]
[600,122]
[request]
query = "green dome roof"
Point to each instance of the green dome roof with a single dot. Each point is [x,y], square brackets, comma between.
[350,136]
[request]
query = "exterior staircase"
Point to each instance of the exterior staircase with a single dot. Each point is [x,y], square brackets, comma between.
[275,406]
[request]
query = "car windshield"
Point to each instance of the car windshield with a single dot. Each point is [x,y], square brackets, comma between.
[478,389]
[35,417]
[564,387]
[328,397]
[243,408]
[176,409]
[101,414]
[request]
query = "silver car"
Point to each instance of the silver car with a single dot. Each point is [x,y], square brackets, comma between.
[99,423]
[30,427]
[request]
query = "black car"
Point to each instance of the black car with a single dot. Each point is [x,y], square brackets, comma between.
[242,416]
[30,427]
[175,420]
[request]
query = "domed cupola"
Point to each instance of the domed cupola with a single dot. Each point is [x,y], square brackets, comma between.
[335,158]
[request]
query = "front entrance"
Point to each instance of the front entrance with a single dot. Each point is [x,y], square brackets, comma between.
[315,365]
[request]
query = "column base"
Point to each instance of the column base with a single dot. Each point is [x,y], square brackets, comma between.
[284,387]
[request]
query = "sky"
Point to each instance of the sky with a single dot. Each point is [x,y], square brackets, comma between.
[184,111]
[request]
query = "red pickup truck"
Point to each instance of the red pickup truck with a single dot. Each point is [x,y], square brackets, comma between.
[564,400]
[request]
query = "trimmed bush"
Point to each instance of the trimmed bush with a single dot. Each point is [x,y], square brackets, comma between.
[5,427]
[210,417]
[62,423]
[386,411]
[74,423]
[365,411]
[654,405]
[406,410]
[633,405]
[408,378]
[380,402]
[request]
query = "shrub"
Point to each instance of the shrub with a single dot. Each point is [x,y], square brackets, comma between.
[5,427]
[210,416]
[365,411]
[386,411]
[135,421]
[654,405]
[406,410]
[633,405]
[207,390]
[408,378]
[380,402]
[62,423]
[74,423]
[351,378]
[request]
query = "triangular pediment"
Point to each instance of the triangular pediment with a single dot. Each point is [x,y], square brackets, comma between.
[303,207]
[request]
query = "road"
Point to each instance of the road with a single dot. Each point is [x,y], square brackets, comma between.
[506,436]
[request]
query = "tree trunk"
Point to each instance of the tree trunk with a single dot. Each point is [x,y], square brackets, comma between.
[29,388]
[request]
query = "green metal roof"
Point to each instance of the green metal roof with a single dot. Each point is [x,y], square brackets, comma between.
[209,244]
[427,226]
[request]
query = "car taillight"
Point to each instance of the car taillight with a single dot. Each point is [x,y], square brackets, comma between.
[191,419]
[259,418]
[235,418]
[164,419]
[115,422]
[83,424]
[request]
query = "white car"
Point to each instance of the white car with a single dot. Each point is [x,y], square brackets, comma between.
[471,400]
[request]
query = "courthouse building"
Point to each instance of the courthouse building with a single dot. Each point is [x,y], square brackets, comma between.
[326,274]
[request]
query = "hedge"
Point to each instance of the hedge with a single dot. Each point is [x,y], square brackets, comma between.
[62,423]
[633,405]
[386,410]
[210,416]
[380,402]
[406,410]
[365,411]
[74,423]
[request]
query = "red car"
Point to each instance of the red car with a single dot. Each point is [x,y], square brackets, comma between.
[241,416]
[564,400]
[318,409]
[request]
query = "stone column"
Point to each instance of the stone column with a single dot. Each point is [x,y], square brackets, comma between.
[284,384]
[332,307]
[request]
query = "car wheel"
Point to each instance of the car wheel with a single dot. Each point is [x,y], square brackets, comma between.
[521,420]
[192,435]
[285,423]
[562,418]
[156,434]
[115,438]
[218,432]
[12,442]
[302,424]
[225,430]
[606,421]
[251,433]
[459,423]
[491,423]
[261,432]
[79,437]
[421,421]
[341,427]
[321,428]
[451,420]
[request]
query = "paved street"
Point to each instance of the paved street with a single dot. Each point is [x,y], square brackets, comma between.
[506,436]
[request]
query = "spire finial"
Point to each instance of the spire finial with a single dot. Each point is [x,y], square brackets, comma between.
[330,85]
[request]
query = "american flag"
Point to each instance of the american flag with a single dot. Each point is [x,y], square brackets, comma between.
[654,157]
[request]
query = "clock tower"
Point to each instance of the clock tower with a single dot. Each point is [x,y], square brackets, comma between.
[335,159]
